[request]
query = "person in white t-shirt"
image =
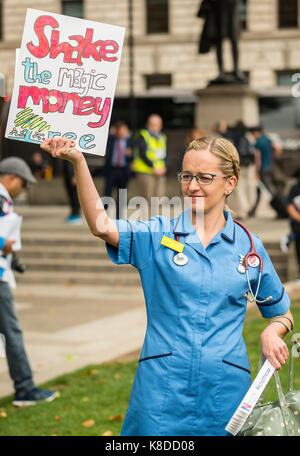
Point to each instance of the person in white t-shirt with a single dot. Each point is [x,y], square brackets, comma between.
[15,176]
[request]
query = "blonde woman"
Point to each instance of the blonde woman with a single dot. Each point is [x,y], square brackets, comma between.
[194,369]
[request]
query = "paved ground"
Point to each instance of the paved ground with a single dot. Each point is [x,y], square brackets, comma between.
[68,326]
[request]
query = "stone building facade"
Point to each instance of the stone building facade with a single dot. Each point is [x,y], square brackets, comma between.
[266,49]
[167,66]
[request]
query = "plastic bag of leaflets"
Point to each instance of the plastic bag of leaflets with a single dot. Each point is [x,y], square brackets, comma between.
[281,417]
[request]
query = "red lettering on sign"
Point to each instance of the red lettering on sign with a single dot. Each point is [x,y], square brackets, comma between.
[90,48]
[55,94]
[85,48]
[56,48]
[36,94]
[42,49]
[104,112]
[86,106]
[56,101]
[104,51]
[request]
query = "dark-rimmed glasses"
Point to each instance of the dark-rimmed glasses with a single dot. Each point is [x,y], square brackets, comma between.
[201,178]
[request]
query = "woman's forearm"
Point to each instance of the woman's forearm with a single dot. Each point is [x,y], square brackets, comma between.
[279,328]
[272,345]
[99,222]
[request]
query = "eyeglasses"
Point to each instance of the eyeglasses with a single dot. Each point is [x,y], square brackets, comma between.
[201,178]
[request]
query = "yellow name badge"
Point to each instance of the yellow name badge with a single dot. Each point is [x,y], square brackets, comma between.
[172,244]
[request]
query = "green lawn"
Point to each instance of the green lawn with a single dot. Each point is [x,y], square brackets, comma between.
[93,400]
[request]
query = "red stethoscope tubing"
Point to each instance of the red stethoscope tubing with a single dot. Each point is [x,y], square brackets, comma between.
[252,251]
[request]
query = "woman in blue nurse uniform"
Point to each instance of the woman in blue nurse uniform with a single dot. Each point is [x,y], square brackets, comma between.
[194,369]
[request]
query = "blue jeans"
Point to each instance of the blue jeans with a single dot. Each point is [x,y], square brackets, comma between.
[17,360]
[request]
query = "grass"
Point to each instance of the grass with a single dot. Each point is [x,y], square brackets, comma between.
[93,401]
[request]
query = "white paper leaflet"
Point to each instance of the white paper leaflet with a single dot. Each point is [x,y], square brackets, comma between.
[246,406]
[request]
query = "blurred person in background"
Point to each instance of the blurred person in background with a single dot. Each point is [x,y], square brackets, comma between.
[241,201]
[70,186]
[293,211]
[119,155]
[194,133]
[265,150]
[15,176]
[150,159]
[40,167]
[218,129]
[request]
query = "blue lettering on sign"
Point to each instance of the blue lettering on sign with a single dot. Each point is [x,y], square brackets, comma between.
[70,135]
[32,75]
[85,139]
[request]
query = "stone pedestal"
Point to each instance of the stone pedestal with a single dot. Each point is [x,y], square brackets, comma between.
[226,102]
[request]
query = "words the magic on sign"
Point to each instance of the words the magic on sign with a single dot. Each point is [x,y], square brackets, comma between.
[65,80]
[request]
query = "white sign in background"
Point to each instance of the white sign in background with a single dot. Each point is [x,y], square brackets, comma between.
[65,80]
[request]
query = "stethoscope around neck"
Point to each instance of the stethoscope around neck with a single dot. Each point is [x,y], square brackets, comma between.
[252,258]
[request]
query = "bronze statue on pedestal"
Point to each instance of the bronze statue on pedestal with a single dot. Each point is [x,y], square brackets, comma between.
[221,21]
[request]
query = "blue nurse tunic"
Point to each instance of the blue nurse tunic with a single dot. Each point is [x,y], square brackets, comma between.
[194,369]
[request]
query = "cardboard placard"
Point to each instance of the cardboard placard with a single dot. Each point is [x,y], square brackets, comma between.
[65,80]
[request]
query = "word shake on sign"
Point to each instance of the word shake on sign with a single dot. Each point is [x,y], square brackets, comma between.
[65,80]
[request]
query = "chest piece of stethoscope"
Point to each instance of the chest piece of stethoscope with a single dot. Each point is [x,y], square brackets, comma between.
[180,259]
[253,261]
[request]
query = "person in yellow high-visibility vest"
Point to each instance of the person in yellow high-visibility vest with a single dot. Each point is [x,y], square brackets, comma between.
[150,157]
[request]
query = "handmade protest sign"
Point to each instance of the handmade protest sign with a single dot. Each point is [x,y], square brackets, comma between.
[65,80]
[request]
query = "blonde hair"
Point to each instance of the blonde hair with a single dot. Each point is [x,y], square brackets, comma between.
[224,150]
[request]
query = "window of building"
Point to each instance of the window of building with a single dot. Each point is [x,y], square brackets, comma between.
[243,7]
[72,8]
[288,13]
[279,113]
[158,80]
[157,12]
[284,78]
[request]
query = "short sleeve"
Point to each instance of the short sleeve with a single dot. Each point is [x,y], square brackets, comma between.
[270,286]
[138,241]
